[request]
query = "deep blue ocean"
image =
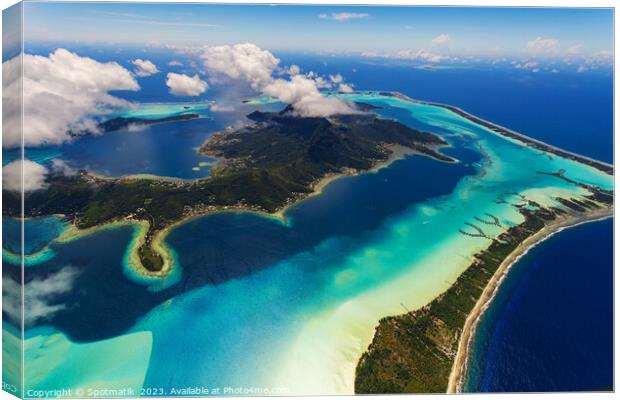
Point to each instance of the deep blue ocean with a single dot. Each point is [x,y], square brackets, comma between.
[550,328]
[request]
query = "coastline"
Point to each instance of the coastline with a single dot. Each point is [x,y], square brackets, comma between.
[74,233]
[158,242]
[398,152]
[70,234]
[416,351]
[28,260]
[509,133]
[459,368]
[150,177]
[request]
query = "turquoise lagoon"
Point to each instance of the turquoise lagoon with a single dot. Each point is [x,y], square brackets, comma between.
[40,233]
[163,110]
[291,308]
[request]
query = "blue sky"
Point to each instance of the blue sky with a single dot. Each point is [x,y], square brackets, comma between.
[465,31]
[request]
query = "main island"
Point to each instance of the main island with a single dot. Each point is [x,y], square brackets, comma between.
[278,159]
[263,167]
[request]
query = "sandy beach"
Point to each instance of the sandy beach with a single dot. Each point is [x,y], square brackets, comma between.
[459,368]
[74,233]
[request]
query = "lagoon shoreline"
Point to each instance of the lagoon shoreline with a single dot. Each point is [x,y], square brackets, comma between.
[158,244]
[509,133]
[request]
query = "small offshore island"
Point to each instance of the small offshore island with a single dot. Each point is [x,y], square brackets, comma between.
[278,160]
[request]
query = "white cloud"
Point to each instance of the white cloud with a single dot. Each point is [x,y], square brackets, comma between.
[175,63]
[137,127]
[154,44]
[305,97]
[39,296]
[11,102]
[251,64]
[62,93]
[184,85]
[573,50]
[541,45]
[244,61]
[420,55]
[34,175]
[294,70]
[441,39]
[144,67]
[321,82]
[370,54]
[343,16]
[336,78]
[61,167]
[605,54]
[345,88]
[221,108]
[582,68]
[529,65]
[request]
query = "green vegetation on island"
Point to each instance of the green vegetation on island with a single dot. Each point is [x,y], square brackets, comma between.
[124,122]
[262,167]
